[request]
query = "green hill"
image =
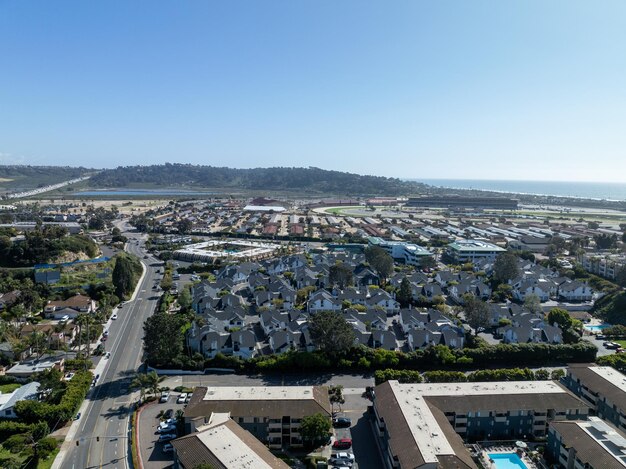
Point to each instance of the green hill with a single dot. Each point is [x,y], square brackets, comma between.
[306,180]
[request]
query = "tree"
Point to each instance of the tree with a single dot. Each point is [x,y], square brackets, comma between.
[380,260]
[476,312]
[505,267]
[330,332]
[340,275]
[561,317]
[164,338]
[140,382]
[428,262]
[122,276]
[404,294]
[152,382]
[315,429]
[185,300]
[532,303]
[184,226]
[605,241]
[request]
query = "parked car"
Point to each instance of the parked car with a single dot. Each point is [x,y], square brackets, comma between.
[168,448]
[114,316]
[343,443]
[167,437]
[181,398]
[342,422]
[168,414]
[165,397]
[77,416]
[168,429]
[107,355]
[611,345]
[342,455]
[600,337]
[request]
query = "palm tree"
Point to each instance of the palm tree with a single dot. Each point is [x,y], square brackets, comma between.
[140,382]
[152,382]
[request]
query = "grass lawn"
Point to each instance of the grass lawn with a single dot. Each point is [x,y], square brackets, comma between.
[7,388]
[622,343]
[47,463]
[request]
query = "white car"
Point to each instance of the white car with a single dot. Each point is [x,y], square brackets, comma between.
[107,355]
[181,398]
[114,316]
[165,397]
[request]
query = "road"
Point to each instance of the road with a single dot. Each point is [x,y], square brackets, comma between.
[103,429]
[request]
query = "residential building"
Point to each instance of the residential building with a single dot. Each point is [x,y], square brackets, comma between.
[272,414]
[7,401]
[471,250]
[222,444]
[406,253]
[72,307]
[603,388]
[422,425]
[591,444]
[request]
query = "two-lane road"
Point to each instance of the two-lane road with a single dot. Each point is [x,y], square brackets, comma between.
[103,429]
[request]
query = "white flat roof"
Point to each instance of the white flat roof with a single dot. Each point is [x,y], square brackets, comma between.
[251,249]
[484,389]
[606,436]
[611,375]
[229,449]
[424,427]
[259,393]
[264,208]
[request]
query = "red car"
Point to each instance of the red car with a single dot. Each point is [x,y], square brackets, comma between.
[344,443]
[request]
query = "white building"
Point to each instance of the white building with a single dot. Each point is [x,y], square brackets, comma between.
[407,253]
[472,250]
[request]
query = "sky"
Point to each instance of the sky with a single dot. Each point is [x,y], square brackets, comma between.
[526,89]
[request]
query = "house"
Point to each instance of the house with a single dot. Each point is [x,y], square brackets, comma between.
[274,321]
[383,300]
[29,391]
[9,299]
[575,291]
[26,369]
[72,307]
[283,340]
[383,339]
[321,300]
[539,286]
[243,343]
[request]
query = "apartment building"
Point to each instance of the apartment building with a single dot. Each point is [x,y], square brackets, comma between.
[272,414]
[424,425]
[472,250]
[602,388]
[591,444]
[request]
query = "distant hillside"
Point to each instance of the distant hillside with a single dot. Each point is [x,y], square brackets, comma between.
[309,180]
[17,177]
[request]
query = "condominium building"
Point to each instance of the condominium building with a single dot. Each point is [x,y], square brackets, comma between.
[271,413]
[591,444]
[603,388]
[423,425]
[222,444]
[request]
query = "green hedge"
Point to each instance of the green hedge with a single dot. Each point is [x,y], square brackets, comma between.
[444,376]
[57,414]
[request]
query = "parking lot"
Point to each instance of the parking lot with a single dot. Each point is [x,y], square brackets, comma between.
[152,453]
[360,431]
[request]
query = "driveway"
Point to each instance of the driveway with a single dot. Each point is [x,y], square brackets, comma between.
[151,450]
[364,446]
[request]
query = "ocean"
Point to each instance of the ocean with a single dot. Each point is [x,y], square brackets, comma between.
[585,190]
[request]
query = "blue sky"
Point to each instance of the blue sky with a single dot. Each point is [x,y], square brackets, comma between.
[417,89]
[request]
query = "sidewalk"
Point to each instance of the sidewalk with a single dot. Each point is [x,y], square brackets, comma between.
[99,370]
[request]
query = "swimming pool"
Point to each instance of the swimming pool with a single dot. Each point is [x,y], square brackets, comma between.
[597,327]
[507,461]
